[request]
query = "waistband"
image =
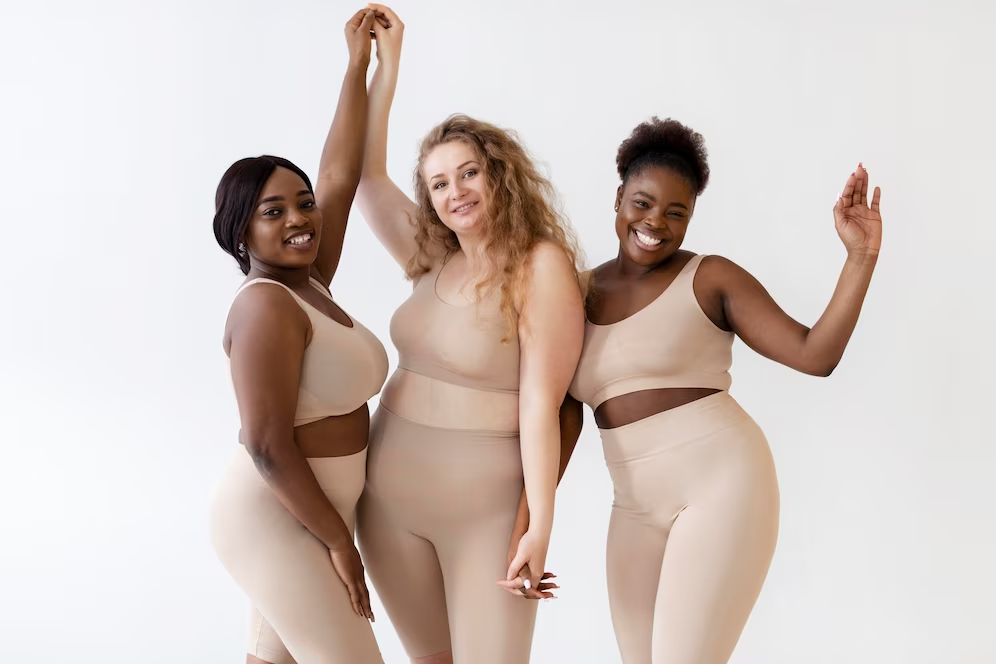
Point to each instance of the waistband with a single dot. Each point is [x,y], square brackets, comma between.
[675,427]
[435,403]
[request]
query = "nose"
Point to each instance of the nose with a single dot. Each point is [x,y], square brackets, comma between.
[296,217]
[457,190]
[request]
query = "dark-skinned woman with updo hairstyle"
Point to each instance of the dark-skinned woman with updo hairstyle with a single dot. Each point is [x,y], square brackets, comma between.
[695,512]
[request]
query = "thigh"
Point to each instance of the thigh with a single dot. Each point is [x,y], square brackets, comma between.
[263,642]
[488,625]
[287,574]
[717,557]
[405,573]
[633,555]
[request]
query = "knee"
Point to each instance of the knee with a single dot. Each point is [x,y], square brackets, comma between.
[445,657]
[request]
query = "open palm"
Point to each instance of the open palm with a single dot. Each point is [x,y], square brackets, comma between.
[859,224]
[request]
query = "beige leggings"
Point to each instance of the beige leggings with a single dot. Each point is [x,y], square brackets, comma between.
[433,527]
[286,571]
[692,532]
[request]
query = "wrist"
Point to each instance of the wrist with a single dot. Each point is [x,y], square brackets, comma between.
[862,257]
[358,64]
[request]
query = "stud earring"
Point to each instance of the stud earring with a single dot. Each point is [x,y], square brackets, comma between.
[242,249]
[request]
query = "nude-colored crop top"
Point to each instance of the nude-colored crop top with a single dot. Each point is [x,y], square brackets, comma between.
[455,344]
[668,343]
[343,367]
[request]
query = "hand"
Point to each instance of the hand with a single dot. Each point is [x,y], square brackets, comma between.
[389,32]
[540,591]
[858,224]
[358,36]
[349,567]
[530,555]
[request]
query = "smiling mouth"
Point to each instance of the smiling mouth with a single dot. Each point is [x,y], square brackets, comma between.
[646,241]
[299,240]
[464,208]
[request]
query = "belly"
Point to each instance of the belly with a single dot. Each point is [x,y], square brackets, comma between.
[628,408]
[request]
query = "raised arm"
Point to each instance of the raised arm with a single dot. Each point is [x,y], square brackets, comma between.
[342,156]
[267,334]
[387,210]
[746,307]
[551,332]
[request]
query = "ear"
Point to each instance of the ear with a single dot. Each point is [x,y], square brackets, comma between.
[619,192]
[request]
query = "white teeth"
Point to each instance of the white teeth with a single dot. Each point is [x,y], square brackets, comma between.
[465,207]
[300,239]
[647,240]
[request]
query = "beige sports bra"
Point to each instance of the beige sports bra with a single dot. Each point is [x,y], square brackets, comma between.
[668,343]
[343,367]
[461,345]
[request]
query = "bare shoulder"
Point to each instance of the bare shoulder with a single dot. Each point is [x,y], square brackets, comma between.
[548,259]
[719,271]
[265,308]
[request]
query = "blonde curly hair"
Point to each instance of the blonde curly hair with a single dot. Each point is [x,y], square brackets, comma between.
[522,211]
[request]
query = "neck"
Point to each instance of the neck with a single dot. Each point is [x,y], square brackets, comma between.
[628,269]
[473,251]
[295,277]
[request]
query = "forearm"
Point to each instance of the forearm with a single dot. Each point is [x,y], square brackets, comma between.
[294,484]
[342,155]
[826,341]
[540,449]
[571,422]
[381,96]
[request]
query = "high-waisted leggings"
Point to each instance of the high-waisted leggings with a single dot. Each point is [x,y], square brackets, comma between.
[692,532]
[433,527]
[300,608]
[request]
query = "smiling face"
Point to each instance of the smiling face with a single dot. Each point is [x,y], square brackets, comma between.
[456,183]
[654,208]
[286,224]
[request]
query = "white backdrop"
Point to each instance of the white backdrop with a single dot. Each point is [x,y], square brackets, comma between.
[119,118]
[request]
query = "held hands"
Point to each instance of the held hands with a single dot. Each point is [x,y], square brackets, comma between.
[527,551]
[859,224]
[389,32]
[349,567]
[358,35]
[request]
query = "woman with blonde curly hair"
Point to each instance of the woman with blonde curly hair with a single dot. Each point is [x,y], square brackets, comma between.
[469,425]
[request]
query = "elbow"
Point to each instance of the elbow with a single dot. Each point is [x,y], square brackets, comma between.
[821,369]
[264,452]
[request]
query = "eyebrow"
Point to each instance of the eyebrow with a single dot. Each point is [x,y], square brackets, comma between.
[273,199]
[646,195]
[466,163]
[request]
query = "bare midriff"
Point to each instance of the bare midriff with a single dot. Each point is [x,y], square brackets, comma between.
[635,406]
[336,436]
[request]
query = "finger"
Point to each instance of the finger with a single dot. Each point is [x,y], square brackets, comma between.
[547,575]
[876,197]
[367,22]
[365,600]
[357,19]
[386,11]
[848,193]
[544,587]
[517,564]
[512,584]
[354,598]
[382,20]
[864,184]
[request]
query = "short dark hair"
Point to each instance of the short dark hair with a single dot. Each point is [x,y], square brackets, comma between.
[236,197]
[666,144]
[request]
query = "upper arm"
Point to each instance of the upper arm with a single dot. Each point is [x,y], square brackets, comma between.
[268,335]
[736,301]
[551,327]
[390,215]
[334,198]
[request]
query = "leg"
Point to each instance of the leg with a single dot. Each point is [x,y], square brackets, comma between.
[489,626]
[404,570]
[264,646]
[633,556]
[287,573]
[717,557]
